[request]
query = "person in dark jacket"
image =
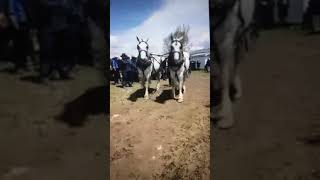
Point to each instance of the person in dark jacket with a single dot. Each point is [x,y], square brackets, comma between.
[20,21]
[283,6]
[56,39]
[266,13]
[115,70]
[128,70]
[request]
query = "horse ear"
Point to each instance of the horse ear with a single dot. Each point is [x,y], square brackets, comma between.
[138,39]
[171,37]
[147,40]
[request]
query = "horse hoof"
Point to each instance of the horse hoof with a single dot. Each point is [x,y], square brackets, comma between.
[146,97]
[180,100]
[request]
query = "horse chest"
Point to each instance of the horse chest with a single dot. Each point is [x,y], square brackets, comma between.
[143,64]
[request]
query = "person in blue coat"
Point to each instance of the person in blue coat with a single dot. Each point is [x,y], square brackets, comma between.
[115,70]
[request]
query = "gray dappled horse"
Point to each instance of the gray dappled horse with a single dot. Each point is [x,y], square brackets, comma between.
[232,22]
[178,64]
[147,64]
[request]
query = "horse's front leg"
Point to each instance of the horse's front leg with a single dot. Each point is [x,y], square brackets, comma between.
[172,83]
[181,85]
[158,82]
[224,113]
[236,89]
[141,79]
[146,93]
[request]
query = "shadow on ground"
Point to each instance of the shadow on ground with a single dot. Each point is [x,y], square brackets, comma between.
[31,78]
[92,102]
[164,96]
[139,94]
[317,33]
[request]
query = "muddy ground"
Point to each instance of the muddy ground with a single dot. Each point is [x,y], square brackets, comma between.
[52,132]
[277,130]
[160,138]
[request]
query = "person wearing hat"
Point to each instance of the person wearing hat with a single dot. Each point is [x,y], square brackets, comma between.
[127,69]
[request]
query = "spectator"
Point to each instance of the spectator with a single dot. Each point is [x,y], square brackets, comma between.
[207,65]
[283,6]
[128,70]
[21,39]
[266,13]
[56,53]
[198,65]
[115,70]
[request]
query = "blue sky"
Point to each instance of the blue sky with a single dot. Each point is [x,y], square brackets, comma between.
[125,14]
[156,19]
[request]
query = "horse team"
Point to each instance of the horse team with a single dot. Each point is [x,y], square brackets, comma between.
[178,65]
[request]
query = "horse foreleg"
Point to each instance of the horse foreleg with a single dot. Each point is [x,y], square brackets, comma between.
[236,91]
[180,99]
[224,115]
[181,85]
[158,82]
[146,93]
[172,83]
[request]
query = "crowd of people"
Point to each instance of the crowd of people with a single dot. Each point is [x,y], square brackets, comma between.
[124,70]
[268,9]
[59,28]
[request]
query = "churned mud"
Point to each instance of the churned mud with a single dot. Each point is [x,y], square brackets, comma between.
[161,138]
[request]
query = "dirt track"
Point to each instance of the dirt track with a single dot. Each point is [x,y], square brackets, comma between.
[34,145]
[160,138]
[277,133]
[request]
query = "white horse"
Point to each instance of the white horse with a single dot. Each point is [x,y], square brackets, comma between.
[232,22]
[147,65]
[178,63]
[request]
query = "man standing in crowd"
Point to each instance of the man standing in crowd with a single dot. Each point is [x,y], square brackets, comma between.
[57,39]
[5,31]
[21,37]
[128,69]
[266,13]
[283,6]
[207,65]
[115,70]
[77,25]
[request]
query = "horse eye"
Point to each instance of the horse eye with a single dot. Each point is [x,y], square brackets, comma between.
[147,47]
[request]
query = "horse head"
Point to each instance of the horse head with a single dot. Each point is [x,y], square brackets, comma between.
[143,48]
[176,48]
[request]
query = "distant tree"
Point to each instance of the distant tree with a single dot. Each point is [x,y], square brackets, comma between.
[181,31]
